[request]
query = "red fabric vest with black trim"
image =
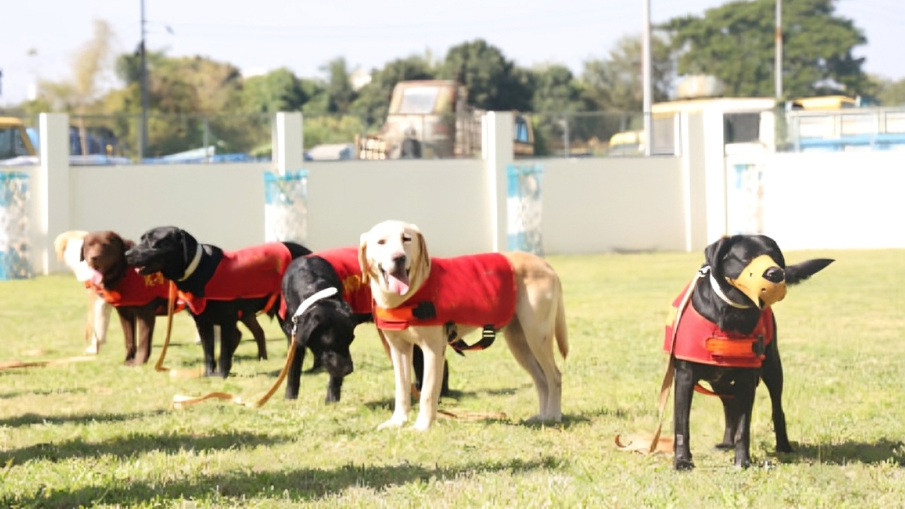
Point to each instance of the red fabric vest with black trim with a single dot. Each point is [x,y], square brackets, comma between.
[700,340]
[248,273]
[344,261]
[474,290]
[133,289]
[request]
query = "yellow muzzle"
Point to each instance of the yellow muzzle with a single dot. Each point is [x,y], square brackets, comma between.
[751,282]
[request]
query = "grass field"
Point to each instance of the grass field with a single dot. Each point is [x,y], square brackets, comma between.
[102,434]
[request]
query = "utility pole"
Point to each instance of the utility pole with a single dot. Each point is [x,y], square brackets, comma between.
[143,141]
[778,57]
[645,76]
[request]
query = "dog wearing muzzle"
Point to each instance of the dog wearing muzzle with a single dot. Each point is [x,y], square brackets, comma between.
[723,332]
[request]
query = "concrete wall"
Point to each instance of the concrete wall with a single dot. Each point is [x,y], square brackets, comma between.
[598,205]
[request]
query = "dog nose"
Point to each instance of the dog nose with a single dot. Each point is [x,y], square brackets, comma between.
[399,260]
[774,275]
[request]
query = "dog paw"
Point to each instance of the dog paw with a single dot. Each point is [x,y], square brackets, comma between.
[394,422]
[742,463]
[786,448]
[91,350]
[725,445]
[422,424]
[683,464]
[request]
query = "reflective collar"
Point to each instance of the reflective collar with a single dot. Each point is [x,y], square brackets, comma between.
[719,291]
[194,265]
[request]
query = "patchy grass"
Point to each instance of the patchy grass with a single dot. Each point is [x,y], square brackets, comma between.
[102,434]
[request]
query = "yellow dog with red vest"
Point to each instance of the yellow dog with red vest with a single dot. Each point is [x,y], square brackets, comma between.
[419,301]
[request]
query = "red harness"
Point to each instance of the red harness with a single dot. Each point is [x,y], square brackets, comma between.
[133,289]
[700,340]
[476,290]
[248,273]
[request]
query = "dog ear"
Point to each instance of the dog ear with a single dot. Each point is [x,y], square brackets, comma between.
[714,253]
[363,259]
[82,253]
[801,271]
[419,272]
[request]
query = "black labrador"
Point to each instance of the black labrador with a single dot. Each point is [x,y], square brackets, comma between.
[727,337]
[327,327]
[219,287]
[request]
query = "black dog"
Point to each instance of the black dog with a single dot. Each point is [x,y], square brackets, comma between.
[327,326]
[219,287]
[727,336]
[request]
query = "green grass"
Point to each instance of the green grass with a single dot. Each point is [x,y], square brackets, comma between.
[102,434]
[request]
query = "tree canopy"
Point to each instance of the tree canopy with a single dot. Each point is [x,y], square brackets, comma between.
[735,42]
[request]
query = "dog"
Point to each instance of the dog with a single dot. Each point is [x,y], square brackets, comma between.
[68,248]
[219,287]
[138,299]
[327,329]
[417,302]
[726,335]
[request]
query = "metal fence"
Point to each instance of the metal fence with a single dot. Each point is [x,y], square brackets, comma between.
[199,138]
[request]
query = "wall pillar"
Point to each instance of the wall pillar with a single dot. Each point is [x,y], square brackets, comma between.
[288,142]
[497,148]
[51,191]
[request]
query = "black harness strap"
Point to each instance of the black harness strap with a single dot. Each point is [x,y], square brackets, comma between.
[488,335]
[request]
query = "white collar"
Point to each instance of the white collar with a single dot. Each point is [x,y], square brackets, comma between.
[722,295]
[323,294]
[194,265]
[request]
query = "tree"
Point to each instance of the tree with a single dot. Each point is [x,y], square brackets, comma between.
[339,86]
[735,43]
[615,83]
[889,92]
[89,65]
[492,80]
[273,92]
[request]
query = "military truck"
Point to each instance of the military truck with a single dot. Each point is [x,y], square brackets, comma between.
[432,119]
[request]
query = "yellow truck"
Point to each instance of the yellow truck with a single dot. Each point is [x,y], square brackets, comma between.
[432,119]
[14,142]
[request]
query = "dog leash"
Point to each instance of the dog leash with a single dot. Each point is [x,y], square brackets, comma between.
[641,443]
[171,310]
[180,401]
[42,364]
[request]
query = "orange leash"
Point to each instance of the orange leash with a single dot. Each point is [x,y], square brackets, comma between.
[174,373]
[180,401]
[650,444]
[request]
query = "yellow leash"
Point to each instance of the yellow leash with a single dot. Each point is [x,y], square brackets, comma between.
[40,364]
[174,373]
[650,444]
[180,401]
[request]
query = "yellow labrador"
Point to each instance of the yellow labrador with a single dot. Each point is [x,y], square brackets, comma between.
[395,263]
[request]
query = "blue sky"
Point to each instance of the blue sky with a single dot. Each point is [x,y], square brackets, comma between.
[40,36]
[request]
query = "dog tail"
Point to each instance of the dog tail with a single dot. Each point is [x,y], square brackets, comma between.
[59,243]
[560,330]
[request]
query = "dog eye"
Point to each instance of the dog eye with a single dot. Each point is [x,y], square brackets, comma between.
[406,238]
[381,242]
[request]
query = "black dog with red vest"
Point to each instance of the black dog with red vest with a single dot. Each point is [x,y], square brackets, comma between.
[217,286]
[726,335]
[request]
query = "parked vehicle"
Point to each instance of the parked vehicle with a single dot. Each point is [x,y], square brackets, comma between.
[432,119]
[15,146]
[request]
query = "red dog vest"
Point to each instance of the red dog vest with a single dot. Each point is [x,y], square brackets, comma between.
[477,290]
[344,261]
[700,340]
[248,273]
[133,289]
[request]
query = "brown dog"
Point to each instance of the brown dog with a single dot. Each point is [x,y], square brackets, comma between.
[138,299]
[523,298]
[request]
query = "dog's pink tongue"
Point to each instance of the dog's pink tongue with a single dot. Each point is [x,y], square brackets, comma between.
[399,285]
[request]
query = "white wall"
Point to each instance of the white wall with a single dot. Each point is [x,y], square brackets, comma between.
[447,199]
[835,200]
[605,204]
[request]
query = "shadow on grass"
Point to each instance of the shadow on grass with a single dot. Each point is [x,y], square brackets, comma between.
[30,418]
[881,451]
[130,445]
[43,392]
[288,486]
